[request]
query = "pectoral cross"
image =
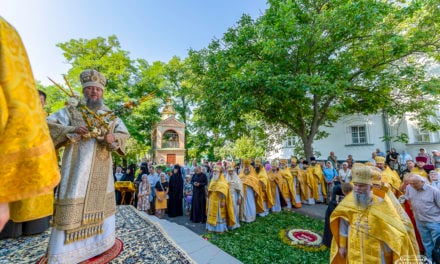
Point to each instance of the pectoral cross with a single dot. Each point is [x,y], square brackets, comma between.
[359,224]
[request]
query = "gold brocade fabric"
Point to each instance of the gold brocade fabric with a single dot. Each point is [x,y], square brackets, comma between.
[252,181]
[32,208]
[420,172]
[369,230]
[218,193]
[275,179]
[265,188]
[28,159]
[125,186]
[81,204]
[314,177]
[302,178]
[289,186]
[301,185]
[392,178]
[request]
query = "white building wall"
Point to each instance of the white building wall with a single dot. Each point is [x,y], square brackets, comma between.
[340,138]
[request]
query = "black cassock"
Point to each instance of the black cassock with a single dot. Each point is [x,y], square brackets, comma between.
[328,236]
[175,194]
[198,204]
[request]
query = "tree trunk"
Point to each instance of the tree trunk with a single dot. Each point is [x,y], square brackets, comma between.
[308,149]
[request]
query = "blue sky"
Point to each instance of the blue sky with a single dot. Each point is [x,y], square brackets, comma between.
[152,30]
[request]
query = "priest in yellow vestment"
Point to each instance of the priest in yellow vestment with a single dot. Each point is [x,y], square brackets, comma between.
[316,182]
[367,228]
[389,176]
[276,186]
[264,182]
[289,186]
[253,197]
[298,181]
[27,156]
[220,203]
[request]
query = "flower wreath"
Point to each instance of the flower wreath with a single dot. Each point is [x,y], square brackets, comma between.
[303,239]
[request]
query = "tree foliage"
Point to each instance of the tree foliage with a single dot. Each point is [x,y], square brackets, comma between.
[304,64]
[247,148]
[127,80]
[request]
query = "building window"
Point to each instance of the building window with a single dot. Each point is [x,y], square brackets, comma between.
[421,135]
[358,135]
[289,142]
[170,139]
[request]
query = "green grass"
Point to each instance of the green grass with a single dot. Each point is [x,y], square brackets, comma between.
[259,242]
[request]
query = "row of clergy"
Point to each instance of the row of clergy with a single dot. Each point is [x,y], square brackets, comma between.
[233,198]
[255,191]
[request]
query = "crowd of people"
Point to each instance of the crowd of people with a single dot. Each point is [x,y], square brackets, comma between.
[385,210]
[225,193]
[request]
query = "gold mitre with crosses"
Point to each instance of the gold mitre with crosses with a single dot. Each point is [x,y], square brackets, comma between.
[376,175]
[379,159]
[92,77]
[217,168]
[361,174]
[283,161]
[274,163]
[293,159]
[230,167]
[258,162]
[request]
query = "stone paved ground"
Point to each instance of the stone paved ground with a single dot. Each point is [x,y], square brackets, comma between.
[197,228]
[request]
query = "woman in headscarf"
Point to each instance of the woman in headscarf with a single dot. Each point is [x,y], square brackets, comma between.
[175,204]
[161,195]
[144,194]
[330,175]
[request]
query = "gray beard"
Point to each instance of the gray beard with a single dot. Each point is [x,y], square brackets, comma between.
[94,104]
[362,200]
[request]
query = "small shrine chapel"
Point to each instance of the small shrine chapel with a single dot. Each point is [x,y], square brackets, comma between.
[168,138]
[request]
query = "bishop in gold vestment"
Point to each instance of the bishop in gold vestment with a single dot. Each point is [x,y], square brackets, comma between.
[27,156]
[367,228]
[84,218]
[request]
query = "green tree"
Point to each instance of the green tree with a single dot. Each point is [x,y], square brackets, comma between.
[304,64]
[55,98]
[127,81]
[247,148]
